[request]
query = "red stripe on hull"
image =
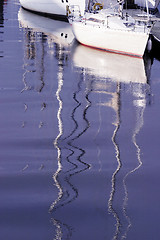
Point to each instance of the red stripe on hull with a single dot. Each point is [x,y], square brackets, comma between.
[114,51]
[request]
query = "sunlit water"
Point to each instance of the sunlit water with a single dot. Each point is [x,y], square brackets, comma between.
[79,136]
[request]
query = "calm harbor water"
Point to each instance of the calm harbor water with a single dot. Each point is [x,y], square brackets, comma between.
[79,136]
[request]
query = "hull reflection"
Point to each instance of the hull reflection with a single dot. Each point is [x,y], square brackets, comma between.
[56,31]
[110,66]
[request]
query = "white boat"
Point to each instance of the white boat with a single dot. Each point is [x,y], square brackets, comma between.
[60,8]
[110,30]
[52,8]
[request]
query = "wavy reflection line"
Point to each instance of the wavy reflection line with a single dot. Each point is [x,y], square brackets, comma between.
[74,147]
[98,131]
[31,55]
[99,127]
[69,196]
[119,165]
[60,128]
[59,233]
[140,122]
[61,194]
[72,193]
[70,142]
[58,224]
[75,109]
[26,86]
[60,229]
[28,55]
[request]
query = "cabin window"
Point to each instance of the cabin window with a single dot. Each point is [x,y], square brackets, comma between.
[95,20]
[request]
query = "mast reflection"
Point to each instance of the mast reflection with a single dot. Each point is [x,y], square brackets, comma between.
[74,158]
[69,154]
[111,209]
[140,104]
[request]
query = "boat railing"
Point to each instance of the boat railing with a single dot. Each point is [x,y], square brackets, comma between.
[98,23]
[142,26]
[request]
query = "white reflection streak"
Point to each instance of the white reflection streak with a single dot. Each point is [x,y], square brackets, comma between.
[98,131]
[113,181]
[58,230]
[116,106]
[140,104]
[26,87]
[60,127]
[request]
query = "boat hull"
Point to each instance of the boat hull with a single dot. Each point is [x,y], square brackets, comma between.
[113,40]
[52,8]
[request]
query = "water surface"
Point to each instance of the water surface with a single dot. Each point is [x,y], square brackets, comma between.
[79,142]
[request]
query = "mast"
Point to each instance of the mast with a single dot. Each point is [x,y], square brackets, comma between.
[89,2]
[121,2]
[147,10]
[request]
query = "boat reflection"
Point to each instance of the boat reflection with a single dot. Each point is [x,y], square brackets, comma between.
[120,72]
[43,37]
[116,67]
[56,31]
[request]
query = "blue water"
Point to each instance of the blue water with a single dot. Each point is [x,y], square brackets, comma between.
[79,136]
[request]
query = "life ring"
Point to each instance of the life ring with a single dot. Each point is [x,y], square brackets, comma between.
[97,6]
